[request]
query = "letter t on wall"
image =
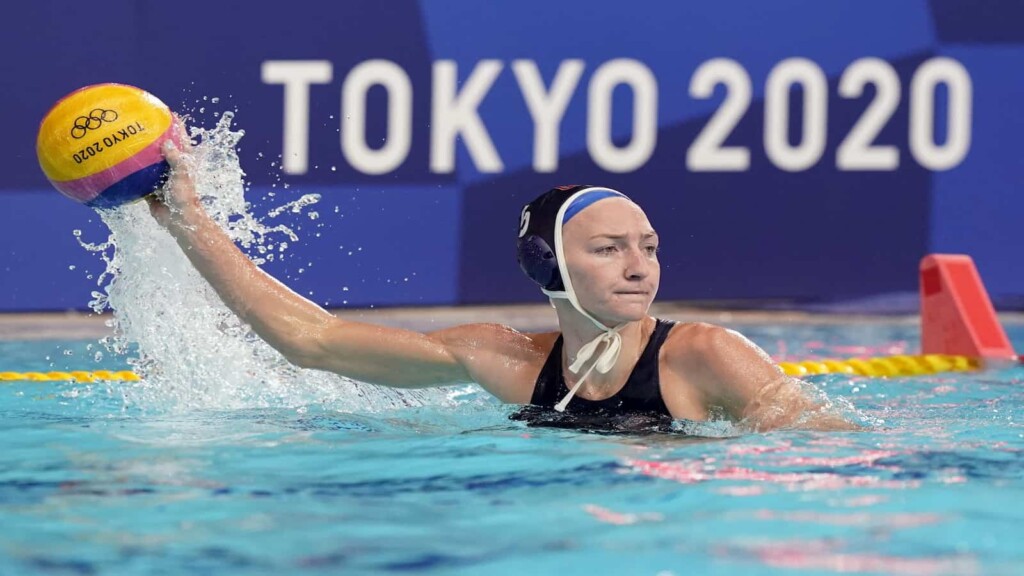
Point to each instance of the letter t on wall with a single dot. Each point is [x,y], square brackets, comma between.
[296,75]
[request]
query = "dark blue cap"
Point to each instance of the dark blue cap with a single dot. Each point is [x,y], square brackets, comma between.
[535,249]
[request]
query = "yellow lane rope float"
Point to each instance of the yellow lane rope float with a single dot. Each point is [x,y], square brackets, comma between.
[76,376]
[878,367]
[883,366]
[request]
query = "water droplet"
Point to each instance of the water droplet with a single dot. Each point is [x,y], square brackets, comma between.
[215,100]
[72,267]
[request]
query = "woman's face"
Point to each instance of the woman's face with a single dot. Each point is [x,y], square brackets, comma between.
[611,252]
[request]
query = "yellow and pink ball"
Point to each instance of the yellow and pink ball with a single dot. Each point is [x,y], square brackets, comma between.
[100,145]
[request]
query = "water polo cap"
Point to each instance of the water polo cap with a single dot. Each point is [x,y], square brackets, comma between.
[540,255]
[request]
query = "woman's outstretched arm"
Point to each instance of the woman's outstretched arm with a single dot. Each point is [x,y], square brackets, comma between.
[311,337]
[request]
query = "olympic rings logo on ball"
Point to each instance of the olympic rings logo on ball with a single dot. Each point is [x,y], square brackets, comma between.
[94,120]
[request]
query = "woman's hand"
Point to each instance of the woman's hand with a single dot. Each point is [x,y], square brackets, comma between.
[178,195]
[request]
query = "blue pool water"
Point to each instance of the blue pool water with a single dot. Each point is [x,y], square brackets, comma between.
[94,480]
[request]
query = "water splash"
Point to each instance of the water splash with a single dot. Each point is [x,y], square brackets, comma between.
[191,351]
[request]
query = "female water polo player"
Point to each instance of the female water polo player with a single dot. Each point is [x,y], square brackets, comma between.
[594,253]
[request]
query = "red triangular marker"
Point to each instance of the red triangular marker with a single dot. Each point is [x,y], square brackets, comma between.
[957,316]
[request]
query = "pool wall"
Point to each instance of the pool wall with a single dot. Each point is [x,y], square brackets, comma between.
[426,126]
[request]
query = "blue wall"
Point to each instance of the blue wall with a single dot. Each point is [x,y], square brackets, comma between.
[817,232]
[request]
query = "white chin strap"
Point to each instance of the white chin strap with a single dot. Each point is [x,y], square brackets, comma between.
[609,336]
[605,360]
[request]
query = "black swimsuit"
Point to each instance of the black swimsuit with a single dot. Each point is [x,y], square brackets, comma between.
[638,405]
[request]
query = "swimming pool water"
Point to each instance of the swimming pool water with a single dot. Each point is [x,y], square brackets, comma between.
[92,485]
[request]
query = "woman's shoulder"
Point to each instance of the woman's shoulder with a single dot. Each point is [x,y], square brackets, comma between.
[544,340]
[687,339]
[498,337]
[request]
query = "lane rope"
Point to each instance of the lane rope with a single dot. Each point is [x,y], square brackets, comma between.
[75,376]
[878,367]
[884,366]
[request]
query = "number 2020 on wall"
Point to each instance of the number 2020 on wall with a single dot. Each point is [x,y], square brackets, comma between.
[857,151]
